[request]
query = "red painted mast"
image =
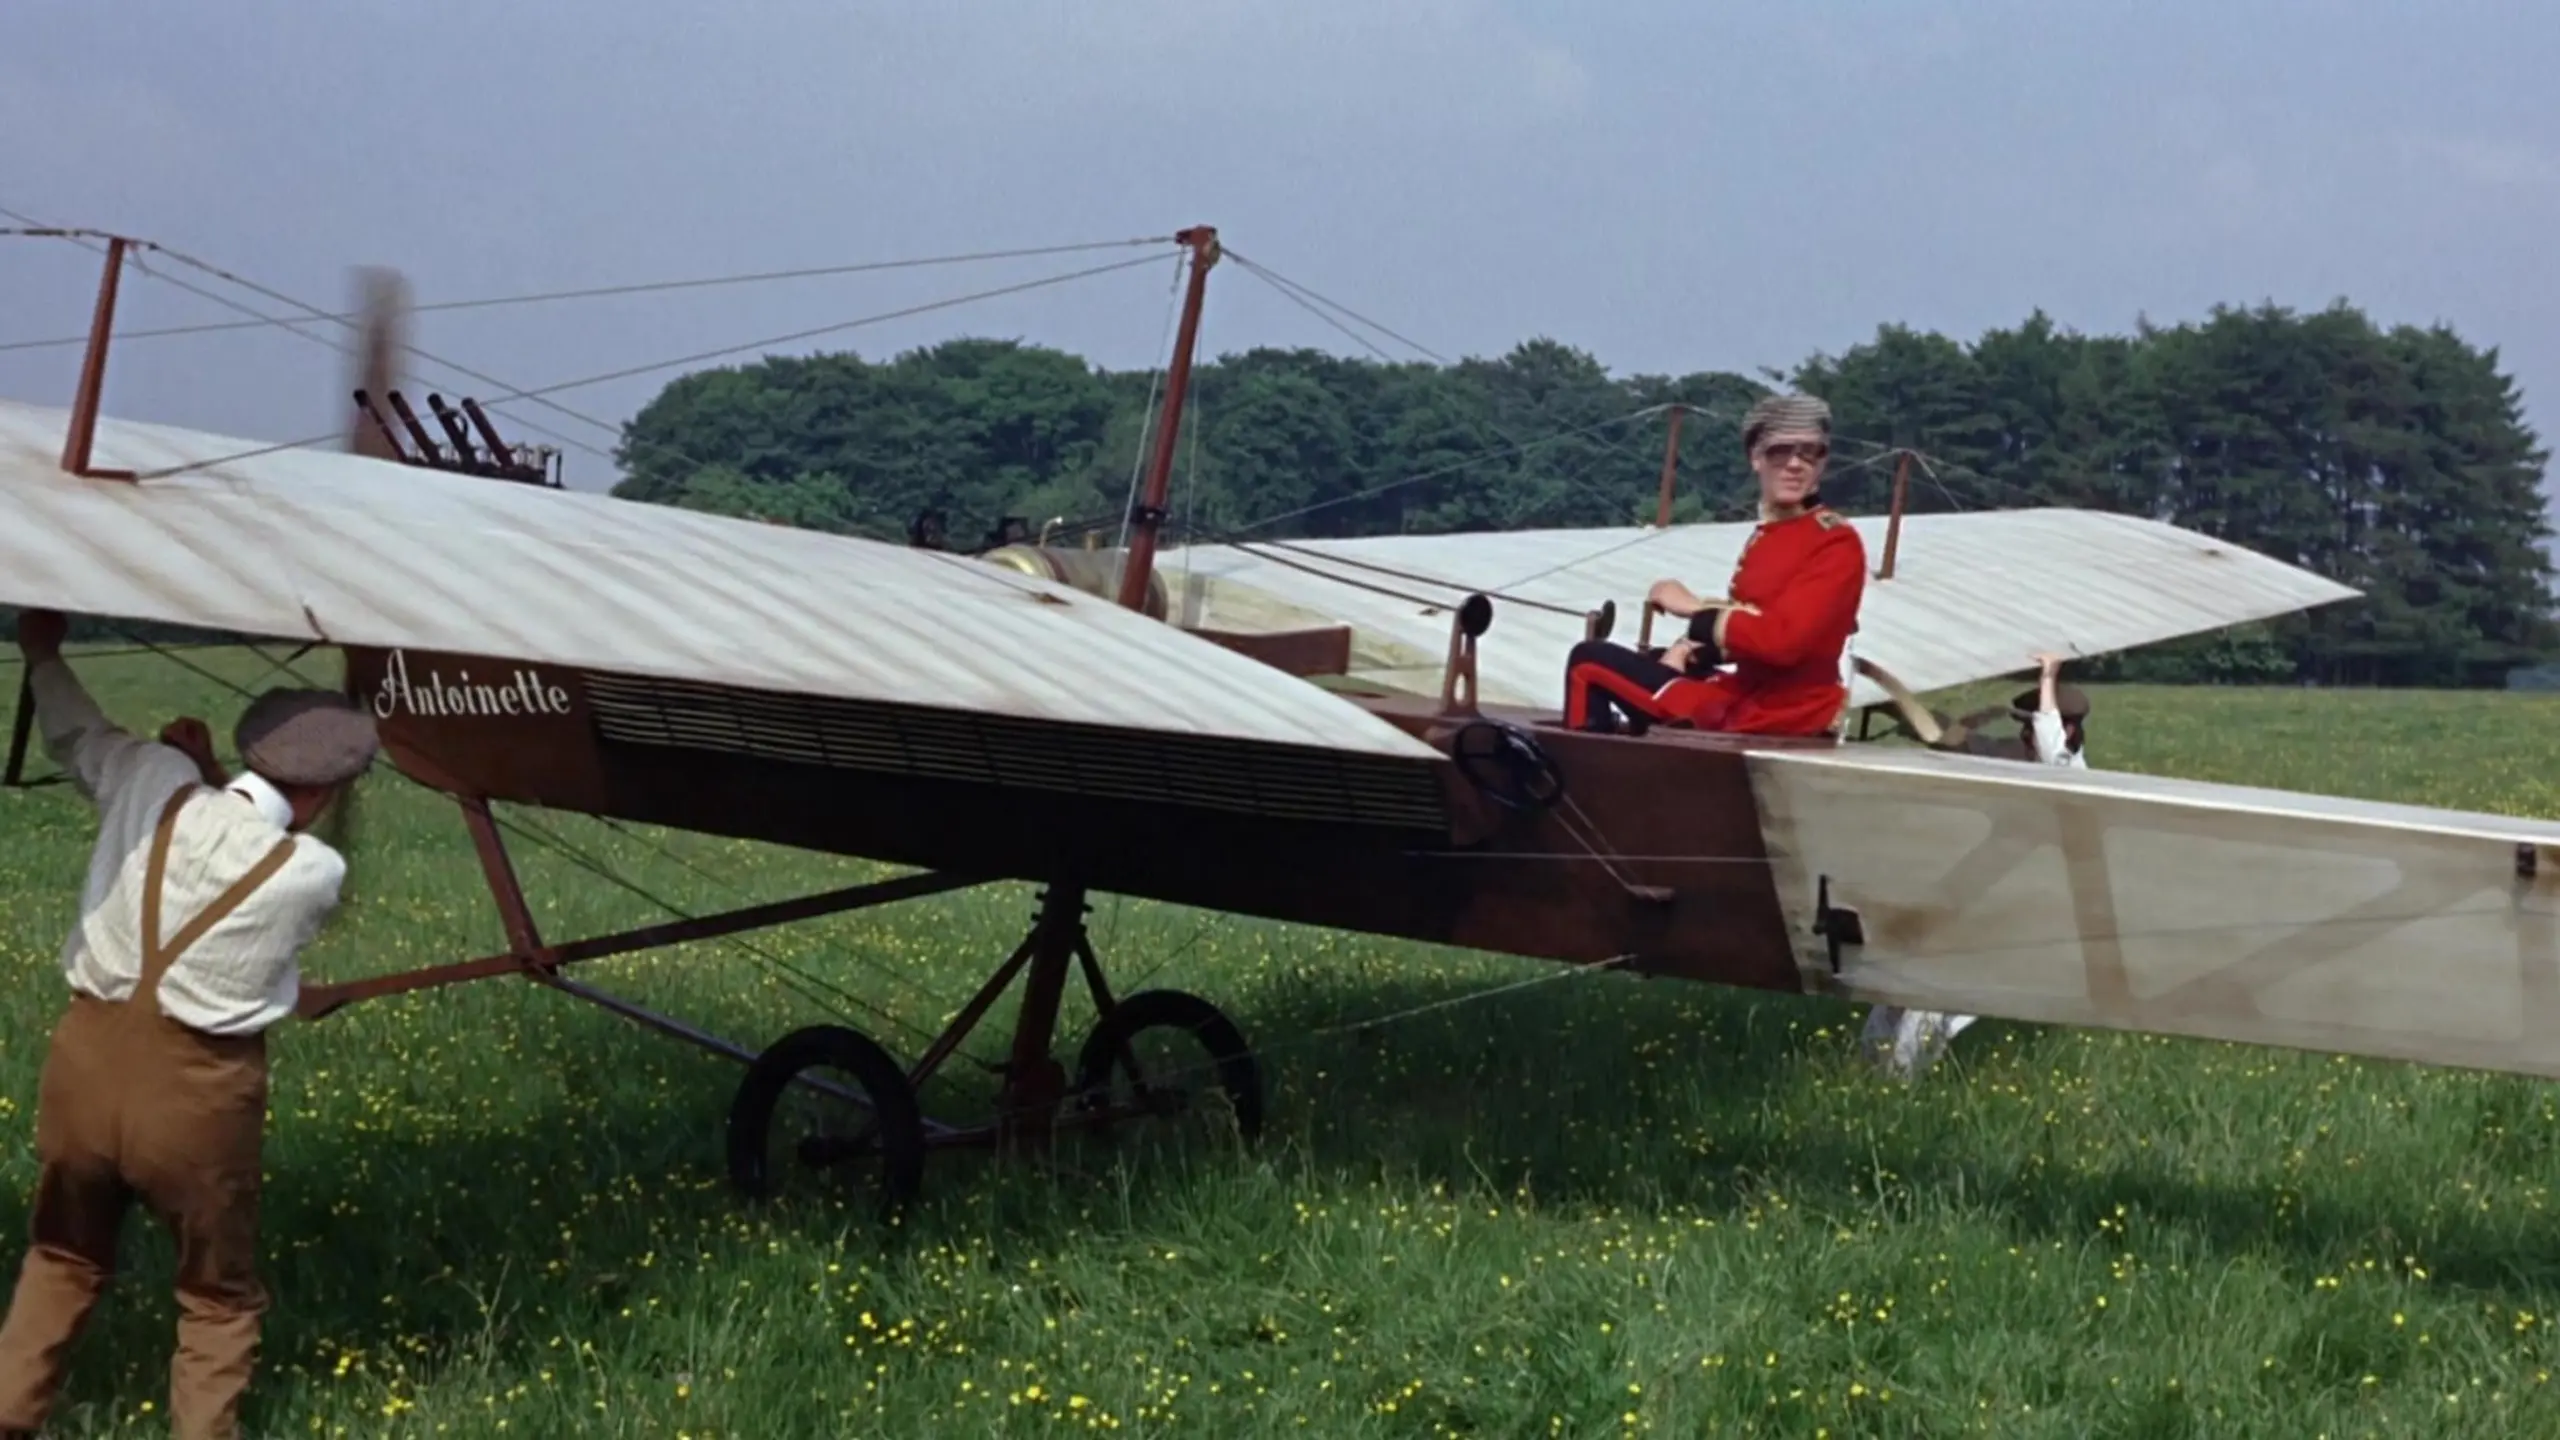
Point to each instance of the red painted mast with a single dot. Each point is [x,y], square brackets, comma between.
[1139,566]
[1893,526]
[76,445]
[93,371]
[1670,468]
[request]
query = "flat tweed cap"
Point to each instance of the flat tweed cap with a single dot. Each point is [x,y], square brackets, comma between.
[1786,414]
[306,737]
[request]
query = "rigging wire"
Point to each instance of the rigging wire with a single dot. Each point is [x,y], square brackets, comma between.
[539,396]
[1650,534]
[1293,288]
[1248,547]
[1191,493]
[13,658]
[667,852]
[1356,337]
[1147,420]
[806,982]
[901,313]
[541,392]
[1309,301]
[1374,589]
[1317,304]
[594,292]
[82,239]
[293,327]
[1211,1068]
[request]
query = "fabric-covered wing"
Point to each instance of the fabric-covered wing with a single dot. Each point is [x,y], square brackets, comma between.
[322,545]
[1973,596]
[2100,898]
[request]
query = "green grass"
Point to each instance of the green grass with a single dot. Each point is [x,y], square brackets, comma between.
[1593,1207]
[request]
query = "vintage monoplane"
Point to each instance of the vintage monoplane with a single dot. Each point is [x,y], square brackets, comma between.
[1263,748]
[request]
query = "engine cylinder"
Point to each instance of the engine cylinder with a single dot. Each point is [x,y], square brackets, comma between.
[1095,572]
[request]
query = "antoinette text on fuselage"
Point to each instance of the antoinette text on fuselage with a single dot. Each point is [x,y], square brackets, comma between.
[524,693]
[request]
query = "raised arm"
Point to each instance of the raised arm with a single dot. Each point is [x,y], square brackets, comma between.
[2053,747]
[100,756]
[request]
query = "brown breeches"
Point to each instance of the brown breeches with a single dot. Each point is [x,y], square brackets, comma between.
[134,1106]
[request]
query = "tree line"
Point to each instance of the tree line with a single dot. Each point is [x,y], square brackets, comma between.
[2393,459]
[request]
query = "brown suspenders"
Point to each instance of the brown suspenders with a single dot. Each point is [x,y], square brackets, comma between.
[156,957]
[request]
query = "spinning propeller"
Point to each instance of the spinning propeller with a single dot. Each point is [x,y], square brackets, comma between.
[383,300]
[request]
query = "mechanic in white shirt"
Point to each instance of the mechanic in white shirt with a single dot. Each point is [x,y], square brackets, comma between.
[201,893]
[2053,717]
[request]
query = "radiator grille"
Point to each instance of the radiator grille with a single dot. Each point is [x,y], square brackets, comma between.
[1204,772]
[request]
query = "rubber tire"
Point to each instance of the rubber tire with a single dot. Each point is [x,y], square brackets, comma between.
[1239,1074]
[893,1101]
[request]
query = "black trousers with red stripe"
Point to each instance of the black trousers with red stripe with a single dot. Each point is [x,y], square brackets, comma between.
[1608,686]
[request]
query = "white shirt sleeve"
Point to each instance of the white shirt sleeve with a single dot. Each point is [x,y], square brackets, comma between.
[2052,746]
[102,758]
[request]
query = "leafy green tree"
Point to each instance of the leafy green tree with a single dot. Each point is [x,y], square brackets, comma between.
[2395,460]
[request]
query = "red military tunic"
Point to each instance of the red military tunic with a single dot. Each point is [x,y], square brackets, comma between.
[1807,576]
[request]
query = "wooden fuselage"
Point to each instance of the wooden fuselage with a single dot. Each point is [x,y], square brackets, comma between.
[1686,889]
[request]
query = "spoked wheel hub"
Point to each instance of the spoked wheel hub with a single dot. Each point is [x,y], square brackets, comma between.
[827,1105]
[1166,1054]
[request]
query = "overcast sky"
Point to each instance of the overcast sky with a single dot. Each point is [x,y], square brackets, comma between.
[1671,186]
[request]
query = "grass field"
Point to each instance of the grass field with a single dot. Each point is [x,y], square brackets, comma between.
[1595,1206]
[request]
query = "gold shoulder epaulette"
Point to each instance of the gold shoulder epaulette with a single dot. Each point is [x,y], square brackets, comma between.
[1828,518]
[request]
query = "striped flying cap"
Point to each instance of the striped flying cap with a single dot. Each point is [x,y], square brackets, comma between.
[1785,414]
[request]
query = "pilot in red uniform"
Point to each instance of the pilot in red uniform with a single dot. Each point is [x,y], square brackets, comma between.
[1782,629]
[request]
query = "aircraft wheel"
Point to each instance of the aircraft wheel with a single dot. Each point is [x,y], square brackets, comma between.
[1123,1066]
[865,1124]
